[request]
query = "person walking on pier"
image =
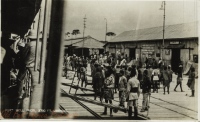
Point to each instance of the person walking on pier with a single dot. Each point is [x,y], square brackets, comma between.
[155,75]
[98,78]
[122,88]
[166,79]
[109,83]
[146,91]
[141,70]
[96,65]
[73,61]
[179,77]
[170,73]
[117,75]
[191,80]
[133,92]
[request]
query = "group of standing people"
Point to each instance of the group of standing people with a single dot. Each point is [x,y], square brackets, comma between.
[104,84]
[111,74]
[78,64]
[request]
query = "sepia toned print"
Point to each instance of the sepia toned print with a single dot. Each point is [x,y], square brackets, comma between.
[99,60]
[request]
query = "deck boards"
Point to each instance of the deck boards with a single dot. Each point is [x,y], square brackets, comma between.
[159,109]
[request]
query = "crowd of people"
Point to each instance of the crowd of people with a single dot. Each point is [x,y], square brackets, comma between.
[111,74]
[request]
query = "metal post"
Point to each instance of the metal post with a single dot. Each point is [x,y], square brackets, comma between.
[106,28]
[44,41]
[55,56]
[83,32]
[71,48]
[37,42]
[140,54]
[163,43]
[189,53]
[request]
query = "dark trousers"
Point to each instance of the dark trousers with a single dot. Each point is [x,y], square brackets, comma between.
[155,85]
[121,102]
[20,79]
[105,109]
[167,89]
[116,81]
[179,83]
[83,78]
[98,92]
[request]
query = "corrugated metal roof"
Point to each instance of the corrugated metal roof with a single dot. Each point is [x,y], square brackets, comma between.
[89,42]
[72,41]
[185,30]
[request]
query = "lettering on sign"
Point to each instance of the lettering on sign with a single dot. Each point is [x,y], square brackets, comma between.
[174,42]
[147,45]
[148,49]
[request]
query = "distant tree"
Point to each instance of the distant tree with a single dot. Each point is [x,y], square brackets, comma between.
[75,32]
[68,34]
[111,34]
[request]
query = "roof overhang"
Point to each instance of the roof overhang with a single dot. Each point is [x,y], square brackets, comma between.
[18,15]
[174,46]
[130,46]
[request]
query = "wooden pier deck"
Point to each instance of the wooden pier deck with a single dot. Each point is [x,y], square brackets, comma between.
[173,106]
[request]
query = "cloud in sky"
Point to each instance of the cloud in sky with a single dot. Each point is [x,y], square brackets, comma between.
[125,15]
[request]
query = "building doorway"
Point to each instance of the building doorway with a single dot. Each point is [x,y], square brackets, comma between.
[131,53]
[175,59]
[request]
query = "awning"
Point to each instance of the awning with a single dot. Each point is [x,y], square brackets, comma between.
[18,15]
[118,46]
[130,46]
[112,46]
[81,47]
[172,46]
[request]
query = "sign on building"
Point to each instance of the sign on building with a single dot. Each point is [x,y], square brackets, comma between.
[174,42]
[148,49]
[167,51]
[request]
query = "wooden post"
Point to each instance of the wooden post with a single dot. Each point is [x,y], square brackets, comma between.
[44,41]
[54,56]
[37,42]
[189,53]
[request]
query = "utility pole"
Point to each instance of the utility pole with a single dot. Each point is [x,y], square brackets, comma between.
[164,27]
[163,43]
[84,26]
[106,29]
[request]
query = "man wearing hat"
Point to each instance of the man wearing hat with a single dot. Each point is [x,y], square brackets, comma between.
[26,58]
[32,36]
[170,72]
[73,62]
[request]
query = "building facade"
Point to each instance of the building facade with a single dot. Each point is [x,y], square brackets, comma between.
[180,43]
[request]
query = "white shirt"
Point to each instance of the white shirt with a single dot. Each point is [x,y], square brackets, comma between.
[132,83]
[155,74]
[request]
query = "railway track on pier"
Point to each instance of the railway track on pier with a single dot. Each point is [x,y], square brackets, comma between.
[94,108]
[160,107]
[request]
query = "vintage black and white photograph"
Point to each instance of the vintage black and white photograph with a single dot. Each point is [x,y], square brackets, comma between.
[99,60]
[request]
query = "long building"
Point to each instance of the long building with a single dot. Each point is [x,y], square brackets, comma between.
[83,46]
[180,43]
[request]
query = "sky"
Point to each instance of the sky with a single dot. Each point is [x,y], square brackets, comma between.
[125,15]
